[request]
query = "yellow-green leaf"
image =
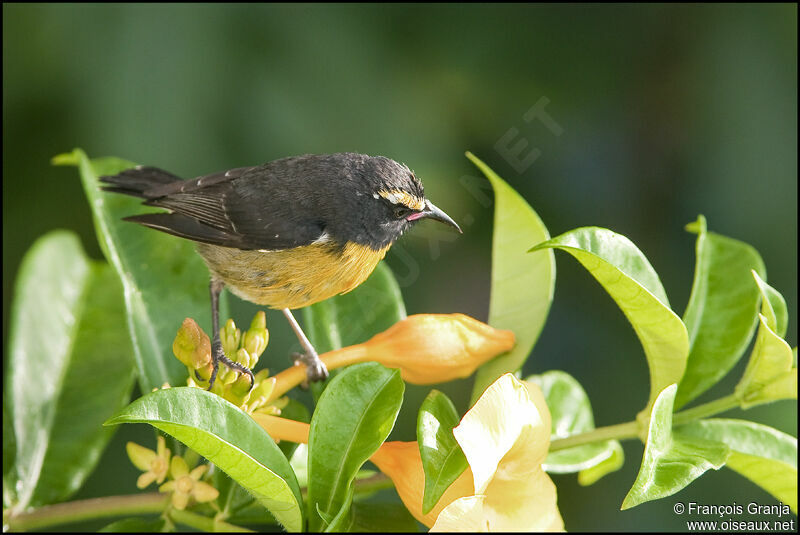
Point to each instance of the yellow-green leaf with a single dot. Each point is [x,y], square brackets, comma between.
[621,268]
[522,284]
[770,374]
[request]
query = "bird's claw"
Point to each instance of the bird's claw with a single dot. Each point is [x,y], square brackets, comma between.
[315,368]
[217,356]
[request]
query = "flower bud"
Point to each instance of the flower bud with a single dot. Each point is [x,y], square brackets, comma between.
[238,392]
[191,345]
[434,348]
[230,336]
[259,321]
[255,342]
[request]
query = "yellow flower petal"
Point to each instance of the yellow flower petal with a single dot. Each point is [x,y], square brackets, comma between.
[464,514]
[526,503]
[203,492]
[169,486]
[140,456]
[180,500]
[504,416]
[145,479]
[178,467]
[161,448]
[198,472]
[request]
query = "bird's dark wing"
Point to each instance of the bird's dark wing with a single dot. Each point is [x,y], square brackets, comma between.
[246,208]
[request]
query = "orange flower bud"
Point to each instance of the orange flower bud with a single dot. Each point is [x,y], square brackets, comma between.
[427,348]
[401,461]
[435,348]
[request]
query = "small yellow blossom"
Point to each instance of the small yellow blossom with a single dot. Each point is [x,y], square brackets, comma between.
[155,464]
[186,484]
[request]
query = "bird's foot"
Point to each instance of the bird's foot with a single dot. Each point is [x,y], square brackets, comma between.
[315,368]
[217,356]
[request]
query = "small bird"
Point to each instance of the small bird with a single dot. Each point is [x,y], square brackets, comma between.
[285,234]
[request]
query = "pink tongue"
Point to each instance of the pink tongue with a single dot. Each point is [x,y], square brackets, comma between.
[415,215]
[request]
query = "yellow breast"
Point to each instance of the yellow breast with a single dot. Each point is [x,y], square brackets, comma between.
[292,278]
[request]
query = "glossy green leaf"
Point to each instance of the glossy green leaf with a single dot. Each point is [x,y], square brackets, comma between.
[229,438]
[671,461]
[770,374]
[621,268]
[522,284]
[773,306]
[591,475]
[571,413]
[356,316]
[164,279]
[764,455]
[382,518]
[722,312]
[232,496]
[70,367]
[353,417]
[442,458]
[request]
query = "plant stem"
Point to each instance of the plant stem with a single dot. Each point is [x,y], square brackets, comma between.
[707,409]
[203,523]
[64,513]
[629,430]
[618,431]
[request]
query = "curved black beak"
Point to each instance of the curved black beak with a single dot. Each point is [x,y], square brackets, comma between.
[431,211]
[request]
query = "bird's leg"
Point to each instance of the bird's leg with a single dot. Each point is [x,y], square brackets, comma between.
[316,370]
[217,354]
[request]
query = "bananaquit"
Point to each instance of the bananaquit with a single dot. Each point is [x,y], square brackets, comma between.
[288,233]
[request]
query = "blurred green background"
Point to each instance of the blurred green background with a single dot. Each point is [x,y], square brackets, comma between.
[663,113]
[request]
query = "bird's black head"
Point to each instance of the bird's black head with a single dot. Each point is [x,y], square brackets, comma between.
[385,198]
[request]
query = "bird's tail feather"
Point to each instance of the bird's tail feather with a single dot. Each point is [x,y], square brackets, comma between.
[138,181]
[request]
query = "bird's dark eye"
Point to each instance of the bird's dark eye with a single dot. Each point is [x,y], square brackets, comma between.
[401,211]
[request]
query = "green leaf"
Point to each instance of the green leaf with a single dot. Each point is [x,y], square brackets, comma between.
[722,312]
[135,525]
[522,284]
[232,496]
[591,475]
[621,268]
[382,518]
[773,306]
[164,279]
[442,458]
[571,413]
[764,455]
[354,317]
[353,417]
[229,438]
[670,461]
[770,374]
[70,367]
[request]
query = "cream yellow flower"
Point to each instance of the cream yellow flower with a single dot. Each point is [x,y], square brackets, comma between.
[505,438]
[154,463]
[186,484]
